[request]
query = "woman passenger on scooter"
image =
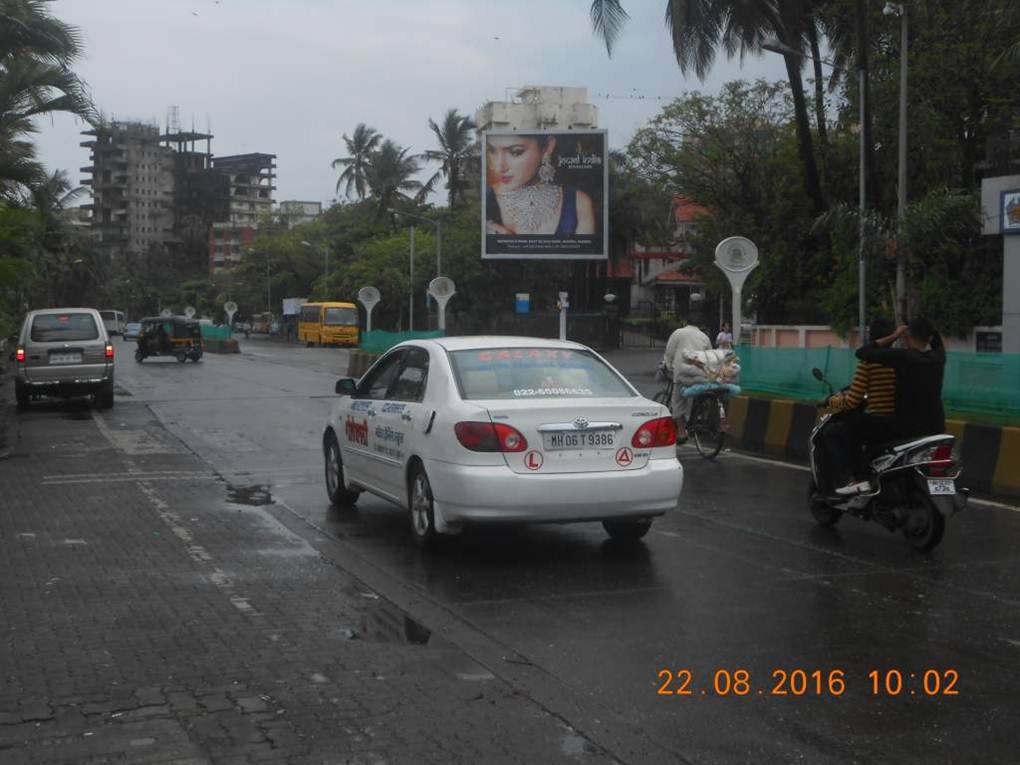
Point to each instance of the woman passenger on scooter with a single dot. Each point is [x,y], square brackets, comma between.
[871,398]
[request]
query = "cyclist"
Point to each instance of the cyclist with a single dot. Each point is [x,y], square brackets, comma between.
[682,372]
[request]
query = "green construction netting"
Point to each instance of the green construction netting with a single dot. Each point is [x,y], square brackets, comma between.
[215,333]
[985,383]
[378,341]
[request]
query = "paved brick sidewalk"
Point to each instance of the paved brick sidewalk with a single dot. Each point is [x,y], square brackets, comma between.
[147,619]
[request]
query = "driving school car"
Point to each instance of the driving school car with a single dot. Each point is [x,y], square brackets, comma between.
[502,430]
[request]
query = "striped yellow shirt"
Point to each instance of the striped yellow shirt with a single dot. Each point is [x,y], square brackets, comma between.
[879,382]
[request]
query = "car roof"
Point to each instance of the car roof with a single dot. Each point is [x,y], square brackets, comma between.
[502,341]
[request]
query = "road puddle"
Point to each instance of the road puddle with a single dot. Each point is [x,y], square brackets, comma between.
[257,494]
[383,622]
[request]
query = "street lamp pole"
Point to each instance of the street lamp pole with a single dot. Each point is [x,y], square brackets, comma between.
[439,235]
[325,258]
[410,299]
[269,288]
[901,186]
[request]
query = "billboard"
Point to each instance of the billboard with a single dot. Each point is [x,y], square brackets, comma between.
[545,195]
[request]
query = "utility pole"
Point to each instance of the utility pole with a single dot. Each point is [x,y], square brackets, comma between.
[901,188]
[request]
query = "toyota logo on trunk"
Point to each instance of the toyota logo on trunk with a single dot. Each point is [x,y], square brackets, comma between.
[581,423]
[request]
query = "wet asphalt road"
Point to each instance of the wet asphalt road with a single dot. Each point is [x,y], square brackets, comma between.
[738,578]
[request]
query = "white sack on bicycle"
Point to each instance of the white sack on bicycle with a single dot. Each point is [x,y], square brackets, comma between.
[698,366]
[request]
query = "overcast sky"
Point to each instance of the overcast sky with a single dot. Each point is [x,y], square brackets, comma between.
[287,77]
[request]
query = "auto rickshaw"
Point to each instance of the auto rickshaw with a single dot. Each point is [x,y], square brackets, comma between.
[176,336]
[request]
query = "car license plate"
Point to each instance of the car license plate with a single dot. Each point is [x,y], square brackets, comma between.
[941,486]
[65,358]
[596,439]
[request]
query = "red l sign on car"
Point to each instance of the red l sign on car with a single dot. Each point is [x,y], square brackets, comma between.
[624,457]
[533,460]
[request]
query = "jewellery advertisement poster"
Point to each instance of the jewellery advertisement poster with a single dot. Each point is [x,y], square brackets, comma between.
[545,195]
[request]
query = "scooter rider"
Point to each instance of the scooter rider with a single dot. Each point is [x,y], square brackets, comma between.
[870,404]
[919,370]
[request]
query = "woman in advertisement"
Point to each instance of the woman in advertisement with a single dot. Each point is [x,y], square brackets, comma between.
[522,195]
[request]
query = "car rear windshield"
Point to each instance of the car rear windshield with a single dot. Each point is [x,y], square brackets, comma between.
[523,373]
[341,316]
[64,327]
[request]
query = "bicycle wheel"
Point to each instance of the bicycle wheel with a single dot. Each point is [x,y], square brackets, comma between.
[705,427]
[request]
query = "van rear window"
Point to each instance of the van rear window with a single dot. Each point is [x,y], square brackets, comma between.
[63,327]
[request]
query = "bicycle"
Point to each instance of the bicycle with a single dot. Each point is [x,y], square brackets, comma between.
[705,425]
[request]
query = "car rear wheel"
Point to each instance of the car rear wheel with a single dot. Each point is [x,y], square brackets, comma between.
[626,531]
[338,495]
[139,357]
[22,396]
[423,518]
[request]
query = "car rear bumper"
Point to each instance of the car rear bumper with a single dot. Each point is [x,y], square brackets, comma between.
[497,494]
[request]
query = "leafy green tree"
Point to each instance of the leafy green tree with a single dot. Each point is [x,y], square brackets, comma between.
[699,28]
[456,153]
[355,166]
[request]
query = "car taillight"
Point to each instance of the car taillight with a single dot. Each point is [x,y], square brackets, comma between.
[490,437]
[109,351]
[19,355]
[659,432]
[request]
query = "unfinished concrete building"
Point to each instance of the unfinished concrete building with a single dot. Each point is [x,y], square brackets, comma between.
[168,193]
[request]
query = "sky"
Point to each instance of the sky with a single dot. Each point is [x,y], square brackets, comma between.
[288,77]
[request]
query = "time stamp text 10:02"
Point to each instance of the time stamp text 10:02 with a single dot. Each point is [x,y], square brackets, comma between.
[739,682]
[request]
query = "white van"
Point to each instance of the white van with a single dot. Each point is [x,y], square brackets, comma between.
[114,321]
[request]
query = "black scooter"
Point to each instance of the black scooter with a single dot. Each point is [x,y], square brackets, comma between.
[913,484]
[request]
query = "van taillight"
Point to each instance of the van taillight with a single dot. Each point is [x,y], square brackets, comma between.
[109,351]
[490,437]
[658,432]
[19,355]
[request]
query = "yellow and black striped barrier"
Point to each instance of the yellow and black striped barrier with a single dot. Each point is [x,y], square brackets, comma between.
[782,428]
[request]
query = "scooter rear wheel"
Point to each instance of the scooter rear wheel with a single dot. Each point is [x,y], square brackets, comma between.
[926,525]
[824,514]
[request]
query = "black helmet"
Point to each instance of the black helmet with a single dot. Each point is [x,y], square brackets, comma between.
[881,326]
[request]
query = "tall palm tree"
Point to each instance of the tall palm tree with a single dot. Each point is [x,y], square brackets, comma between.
[456,151]
[35,52]
[359,149]
[700,27]
[390,175]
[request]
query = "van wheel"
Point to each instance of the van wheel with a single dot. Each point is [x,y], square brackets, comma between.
[104,396]
[22,396]
[338,495]
[420,504]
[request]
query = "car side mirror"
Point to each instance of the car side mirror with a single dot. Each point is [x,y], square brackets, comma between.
[819,375]
[346,386]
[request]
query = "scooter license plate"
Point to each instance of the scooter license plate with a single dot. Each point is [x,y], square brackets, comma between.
[941,486]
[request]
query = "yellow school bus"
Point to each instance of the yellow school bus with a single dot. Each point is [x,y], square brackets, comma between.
[328,324]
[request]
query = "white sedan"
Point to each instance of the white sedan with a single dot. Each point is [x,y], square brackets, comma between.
[502,430]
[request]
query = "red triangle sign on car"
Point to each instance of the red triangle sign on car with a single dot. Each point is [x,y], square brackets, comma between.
[624,457]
